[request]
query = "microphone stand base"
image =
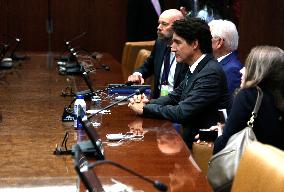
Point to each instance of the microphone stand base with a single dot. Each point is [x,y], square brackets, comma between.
[6,64]
[88,149]
[19,57]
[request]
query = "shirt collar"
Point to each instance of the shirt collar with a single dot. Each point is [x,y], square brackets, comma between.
[221,58]
[192,67]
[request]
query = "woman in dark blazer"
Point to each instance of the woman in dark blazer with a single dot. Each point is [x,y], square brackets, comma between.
[264,68]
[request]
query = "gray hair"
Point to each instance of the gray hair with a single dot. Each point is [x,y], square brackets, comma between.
[227,31]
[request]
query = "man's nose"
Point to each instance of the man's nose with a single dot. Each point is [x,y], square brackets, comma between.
[173,49]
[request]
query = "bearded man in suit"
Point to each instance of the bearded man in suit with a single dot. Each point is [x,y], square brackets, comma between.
[162,62]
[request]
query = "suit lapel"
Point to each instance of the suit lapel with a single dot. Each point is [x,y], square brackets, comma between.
[161,56]
[199,67]
[181,69]
[202,64]
[177,71]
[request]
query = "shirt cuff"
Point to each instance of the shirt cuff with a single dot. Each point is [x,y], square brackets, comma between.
[137,73]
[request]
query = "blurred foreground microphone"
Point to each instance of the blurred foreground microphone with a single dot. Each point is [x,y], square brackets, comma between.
[157,184]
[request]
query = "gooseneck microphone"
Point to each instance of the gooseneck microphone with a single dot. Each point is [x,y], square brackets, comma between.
[90,92]
[68,112]
[96,147]
[13,55]
[96,56]
[136,92]
[67,43]
[3,49]
[69,57]
[157,184]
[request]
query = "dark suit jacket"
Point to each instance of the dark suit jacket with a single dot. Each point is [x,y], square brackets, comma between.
[268,126]
[195,104]
[142,20]
[232,66]
[153,65]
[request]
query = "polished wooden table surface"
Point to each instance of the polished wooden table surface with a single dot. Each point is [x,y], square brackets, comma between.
[31,126]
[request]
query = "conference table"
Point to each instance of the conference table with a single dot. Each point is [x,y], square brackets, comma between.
[31,108]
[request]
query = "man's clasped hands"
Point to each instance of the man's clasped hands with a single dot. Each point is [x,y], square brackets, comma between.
[137,102]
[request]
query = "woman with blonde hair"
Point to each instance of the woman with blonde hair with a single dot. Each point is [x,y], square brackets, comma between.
[264,67]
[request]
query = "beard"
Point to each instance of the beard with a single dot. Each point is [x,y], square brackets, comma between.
[163,37]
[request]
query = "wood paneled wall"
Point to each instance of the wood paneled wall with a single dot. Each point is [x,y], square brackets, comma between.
[261,23]
[103,20]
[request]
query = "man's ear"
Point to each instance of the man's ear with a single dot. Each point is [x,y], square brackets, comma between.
[220,42]
[195,44]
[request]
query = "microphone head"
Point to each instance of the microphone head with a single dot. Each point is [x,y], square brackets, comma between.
[160,186]
[106,67]
[94,55]
[129,83]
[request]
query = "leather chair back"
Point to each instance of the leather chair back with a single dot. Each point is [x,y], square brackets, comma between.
[129,55]
[261,168]
[142,55]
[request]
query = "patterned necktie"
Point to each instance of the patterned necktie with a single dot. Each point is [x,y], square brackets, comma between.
[187,76]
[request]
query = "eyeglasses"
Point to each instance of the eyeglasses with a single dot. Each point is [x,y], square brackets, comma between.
[218,38]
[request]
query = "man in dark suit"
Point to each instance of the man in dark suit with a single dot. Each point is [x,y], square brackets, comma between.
[224,44]
[195,102]
[142,18]
[167,77]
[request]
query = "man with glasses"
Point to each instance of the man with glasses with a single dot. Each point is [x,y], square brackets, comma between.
[162,62]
